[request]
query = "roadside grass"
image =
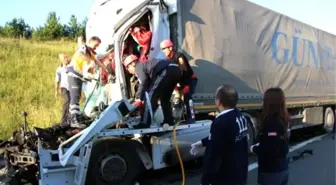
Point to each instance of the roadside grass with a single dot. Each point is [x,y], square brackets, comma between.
[27,80]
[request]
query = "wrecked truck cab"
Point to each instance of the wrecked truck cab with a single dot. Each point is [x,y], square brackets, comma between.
[130,27]
[108,16]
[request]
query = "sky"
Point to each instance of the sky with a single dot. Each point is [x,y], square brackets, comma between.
[35,12]
[318,13]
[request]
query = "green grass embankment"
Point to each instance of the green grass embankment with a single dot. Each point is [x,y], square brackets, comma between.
[27,78]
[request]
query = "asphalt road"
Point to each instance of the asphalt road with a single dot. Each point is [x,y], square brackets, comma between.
[318,169]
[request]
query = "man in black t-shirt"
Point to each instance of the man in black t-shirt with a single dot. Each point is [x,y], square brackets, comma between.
[158,78]
[188,79]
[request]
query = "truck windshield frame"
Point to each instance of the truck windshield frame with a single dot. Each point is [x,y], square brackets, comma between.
[120,36]
[128,16]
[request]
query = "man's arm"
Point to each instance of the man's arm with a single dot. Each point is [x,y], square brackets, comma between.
[101,65]
[142,78]
[216,145]
[88,59]
[205,141]
[182,63]
[57,82]
[56,88]
[84,56]
[86,70]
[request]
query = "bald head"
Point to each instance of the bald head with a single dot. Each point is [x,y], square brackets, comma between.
[63,57]
[227,96]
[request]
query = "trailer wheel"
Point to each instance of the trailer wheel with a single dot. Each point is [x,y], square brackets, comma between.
[250,135]
[329,119]
[114,163]
[13,181]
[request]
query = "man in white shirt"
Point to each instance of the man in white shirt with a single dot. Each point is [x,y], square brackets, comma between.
[62,85]
[226,154]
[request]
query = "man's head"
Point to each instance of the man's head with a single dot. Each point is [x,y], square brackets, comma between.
[226,97]
[64,59]
[130,62]
[94,43]
[167,48]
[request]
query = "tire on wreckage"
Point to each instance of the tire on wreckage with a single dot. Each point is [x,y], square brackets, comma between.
[115,162]
[6,177]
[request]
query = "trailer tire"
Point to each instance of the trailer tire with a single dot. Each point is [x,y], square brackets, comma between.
[108,158]
[13,181]
[250,135]
[329,120]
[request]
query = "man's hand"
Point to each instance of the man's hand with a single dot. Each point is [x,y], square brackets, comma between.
[138,103]
[88,76]
[196,148]
[186,89]
[101,65]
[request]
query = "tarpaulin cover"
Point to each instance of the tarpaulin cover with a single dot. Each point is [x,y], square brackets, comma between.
[253,48]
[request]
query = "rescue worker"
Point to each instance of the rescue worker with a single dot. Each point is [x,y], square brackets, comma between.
[273,148]
[143,37]
[188,80]
[226,152]
[159,79]
[63,86]
[81,67]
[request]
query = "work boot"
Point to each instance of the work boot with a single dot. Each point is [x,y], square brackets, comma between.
[141,126]
[76,124]
[44,134]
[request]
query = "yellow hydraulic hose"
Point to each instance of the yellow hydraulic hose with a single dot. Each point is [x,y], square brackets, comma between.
[178,152]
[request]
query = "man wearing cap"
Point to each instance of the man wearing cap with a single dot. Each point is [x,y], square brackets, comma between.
[158,78]
[81,66]
[188,79]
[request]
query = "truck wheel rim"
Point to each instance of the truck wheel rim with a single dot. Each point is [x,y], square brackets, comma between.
[113,168]
[330,120]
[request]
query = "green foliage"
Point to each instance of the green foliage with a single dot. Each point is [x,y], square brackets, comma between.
[81,31]
[16,28]
[74,27]
[52,29]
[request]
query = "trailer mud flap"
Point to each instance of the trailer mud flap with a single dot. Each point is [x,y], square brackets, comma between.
[143,155]
[171,157]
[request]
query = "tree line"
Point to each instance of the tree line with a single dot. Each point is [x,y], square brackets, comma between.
[52,29]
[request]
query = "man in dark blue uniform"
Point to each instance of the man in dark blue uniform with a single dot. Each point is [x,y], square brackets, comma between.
[226,153]
[158,78]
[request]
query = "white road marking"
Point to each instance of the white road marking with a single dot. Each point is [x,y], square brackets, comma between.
[291,149]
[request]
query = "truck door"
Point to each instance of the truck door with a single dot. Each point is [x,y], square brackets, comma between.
[160,30]
[107,16]
[120,37]
[159,27]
